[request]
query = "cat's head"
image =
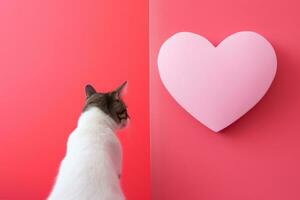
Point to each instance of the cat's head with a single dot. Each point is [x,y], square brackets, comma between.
[110,103]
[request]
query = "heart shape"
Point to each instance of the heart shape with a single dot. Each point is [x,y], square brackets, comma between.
[217,85]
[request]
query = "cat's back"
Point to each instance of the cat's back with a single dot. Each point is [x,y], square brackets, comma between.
[90,168]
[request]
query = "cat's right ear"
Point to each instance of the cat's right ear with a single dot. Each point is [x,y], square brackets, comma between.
[89,91]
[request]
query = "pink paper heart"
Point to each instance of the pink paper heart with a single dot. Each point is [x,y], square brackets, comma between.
[217,85]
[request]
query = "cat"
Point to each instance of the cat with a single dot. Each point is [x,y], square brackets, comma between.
[91,167]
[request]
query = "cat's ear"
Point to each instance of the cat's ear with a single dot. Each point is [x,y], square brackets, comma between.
[117,93]
[89,90]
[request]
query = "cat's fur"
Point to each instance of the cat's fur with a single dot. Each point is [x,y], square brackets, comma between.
[92,165]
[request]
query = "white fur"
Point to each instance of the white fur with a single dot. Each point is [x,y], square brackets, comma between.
[92,165]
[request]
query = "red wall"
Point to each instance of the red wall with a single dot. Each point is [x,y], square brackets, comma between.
[256,158]
[48,51]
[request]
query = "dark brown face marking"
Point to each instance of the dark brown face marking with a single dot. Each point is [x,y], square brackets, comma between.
[110,102]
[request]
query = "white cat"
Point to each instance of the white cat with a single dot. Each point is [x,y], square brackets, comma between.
[92,165]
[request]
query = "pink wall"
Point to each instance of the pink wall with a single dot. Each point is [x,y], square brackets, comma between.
[258,157]
[48,51]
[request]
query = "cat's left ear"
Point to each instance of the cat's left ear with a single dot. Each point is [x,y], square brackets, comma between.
[120,90]
[89,90]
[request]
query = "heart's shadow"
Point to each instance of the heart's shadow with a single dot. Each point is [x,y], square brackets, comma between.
[277,104]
